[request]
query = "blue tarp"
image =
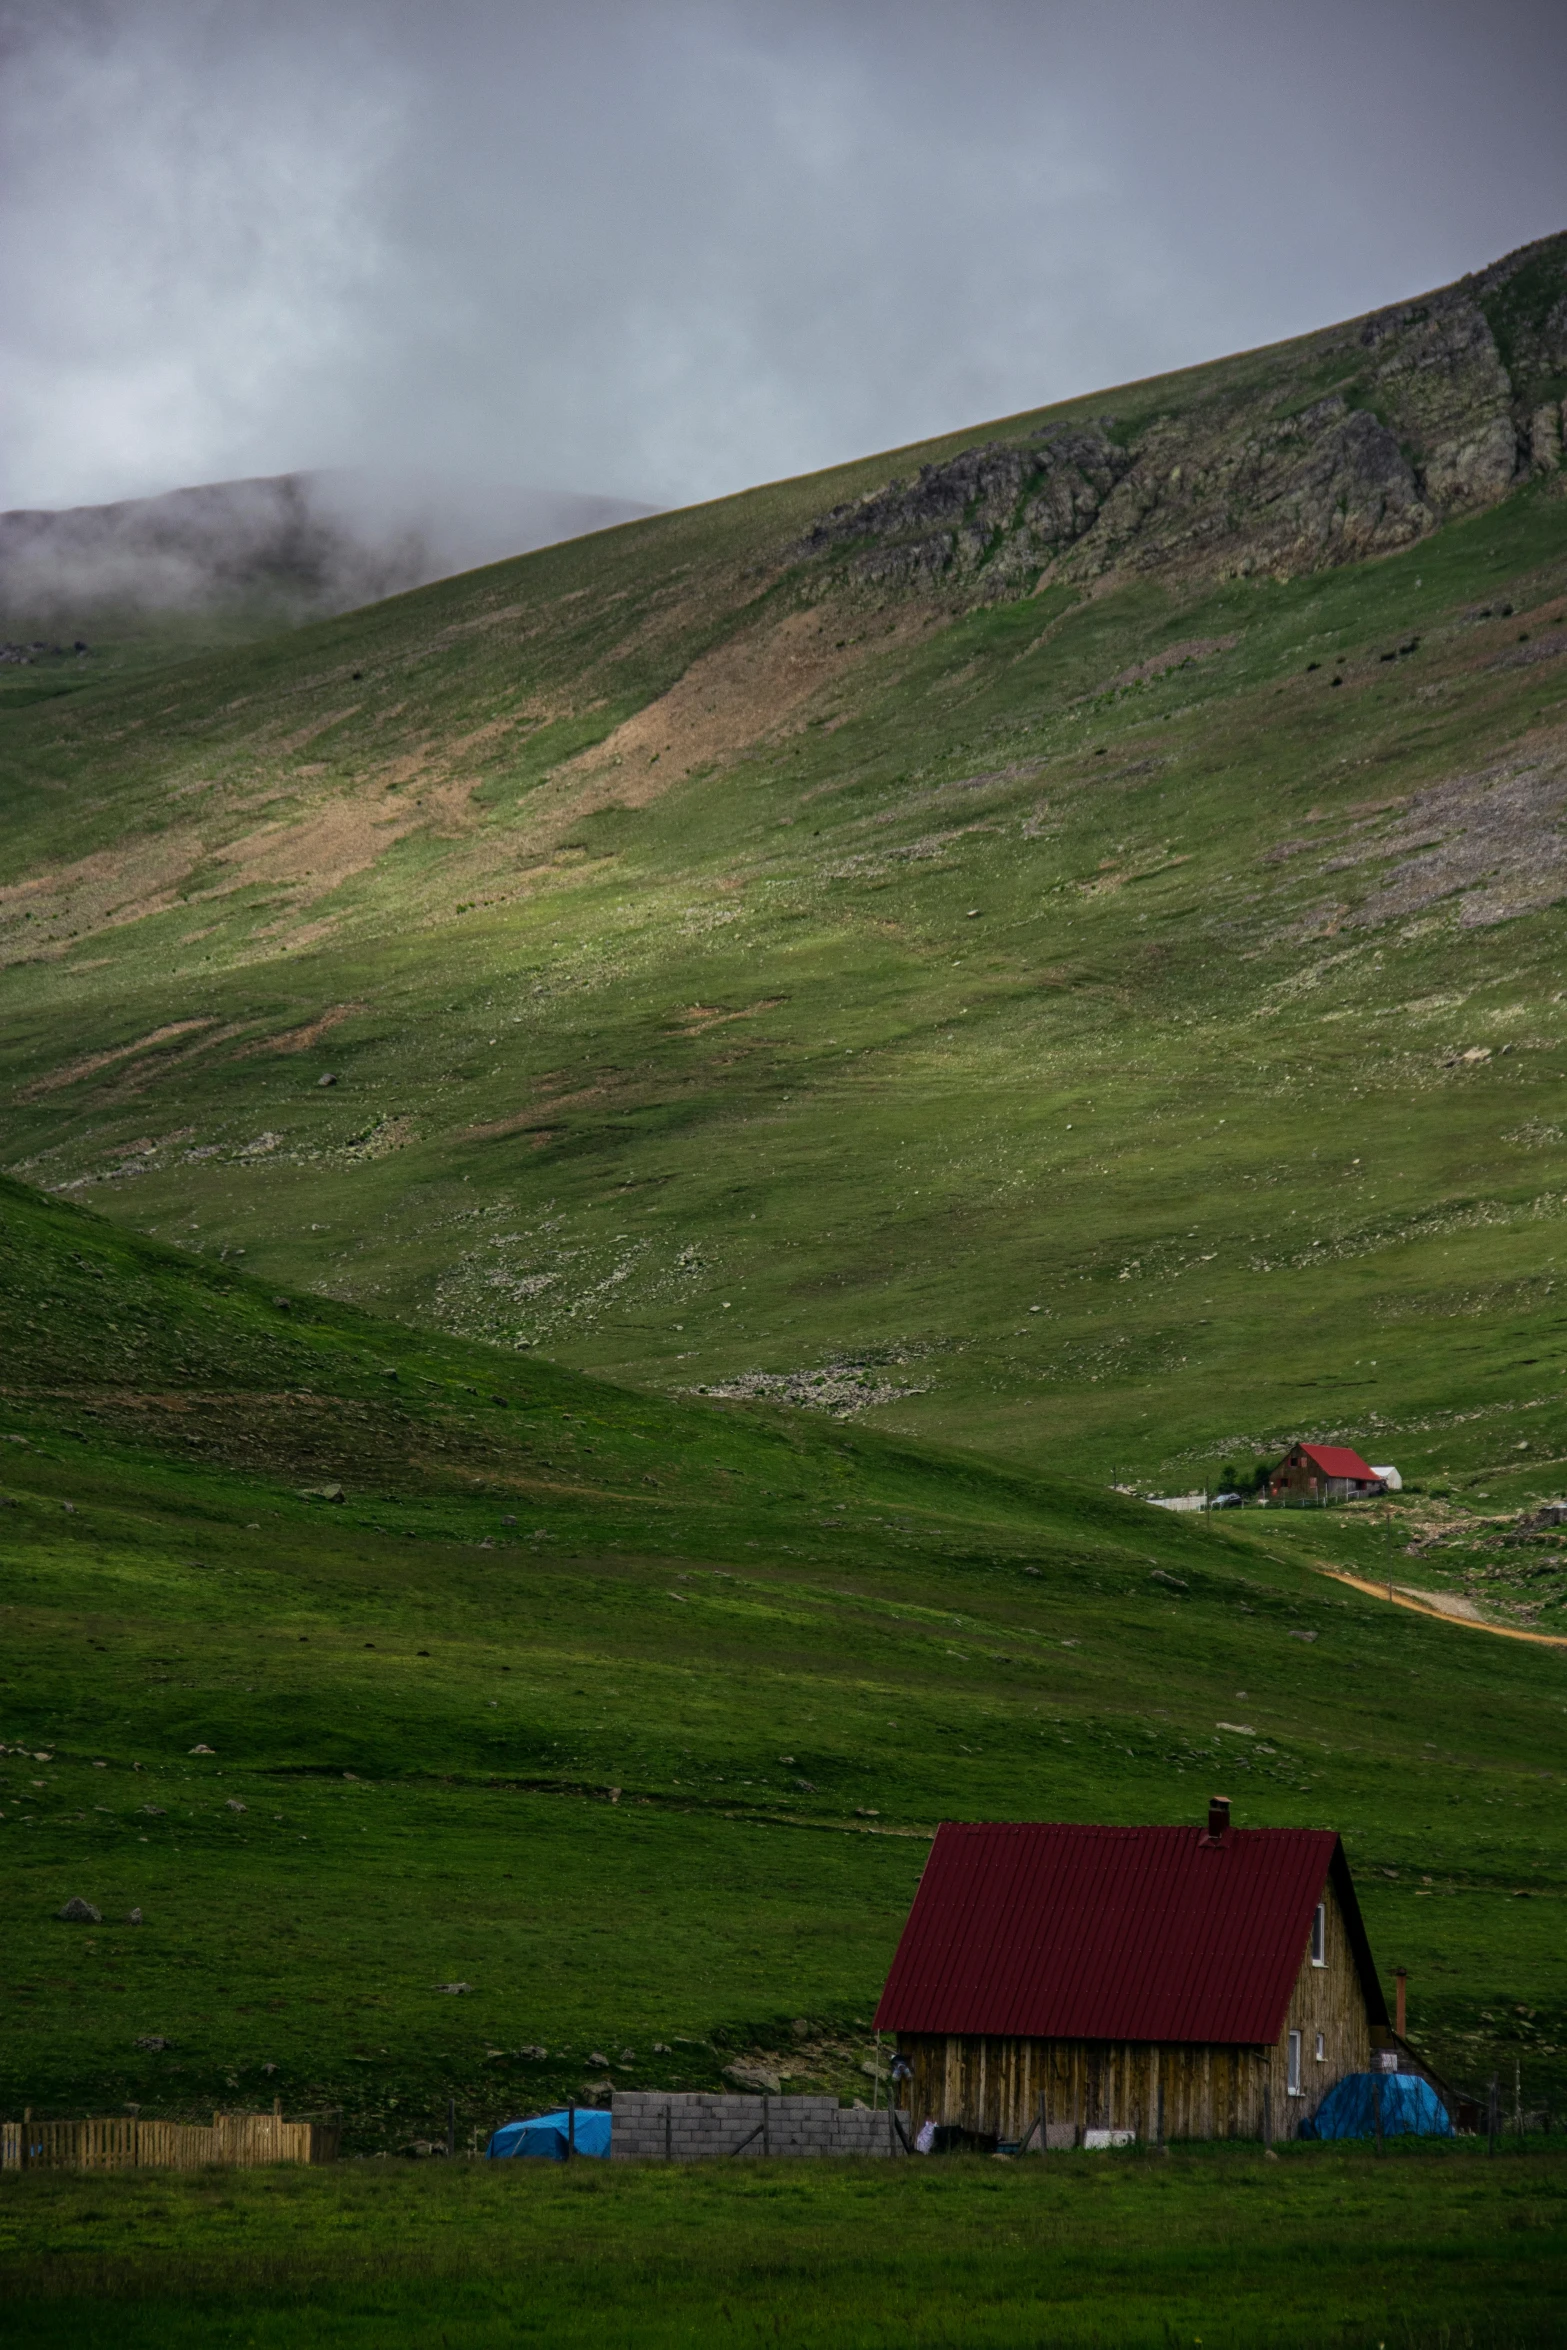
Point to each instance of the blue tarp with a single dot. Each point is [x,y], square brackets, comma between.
[1410,2108]
[545,2135]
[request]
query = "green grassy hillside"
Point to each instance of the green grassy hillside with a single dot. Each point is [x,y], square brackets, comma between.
[1015,967]
[1093,998]
[633,1716]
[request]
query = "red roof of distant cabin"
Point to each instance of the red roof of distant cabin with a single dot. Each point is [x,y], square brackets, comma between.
[1083,1933]
[1337,1460]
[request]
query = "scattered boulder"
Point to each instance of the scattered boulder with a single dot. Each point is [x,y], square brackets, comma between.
[153,2043]
[233,1804]
[203,1750]
[627,2056]
[753,2077]
[326,1078]
[454,1990]
[1303,1635]
[535,2054]
[133,1917]
[597,2056]
[80,1913]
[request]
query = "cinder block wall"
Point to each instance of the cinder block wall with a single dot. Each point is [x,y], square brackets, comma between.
[650,2127]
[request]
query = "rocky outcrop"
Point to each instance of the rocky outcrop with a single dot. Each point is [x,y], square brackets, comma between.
[991,517]
[1351,443]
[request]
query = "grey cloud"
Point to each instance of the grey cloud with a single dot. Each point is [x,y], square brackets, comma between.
[662,250]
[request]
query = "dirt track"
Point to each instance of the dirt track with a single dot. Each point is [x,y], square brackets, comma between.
[1400,1597]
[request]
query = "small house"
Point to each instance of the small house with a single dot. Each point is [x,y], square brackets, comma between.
[1324,1472]
[1085,1982]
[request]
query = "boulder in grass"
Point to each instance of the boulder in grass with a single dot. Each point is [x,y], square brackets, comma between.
[754,2078]
[133,1917]
[455,1990]
[80,1913]
[153,2043]
[203,1750]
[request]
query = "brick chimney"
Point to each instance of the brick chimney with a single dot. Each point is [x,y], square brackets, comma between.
[1218,1818]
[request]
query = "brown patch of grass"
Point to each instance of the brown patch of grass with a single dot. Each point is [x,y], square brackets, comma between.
[703,1016]
[93,1062]
[1196,648]
[751,689]
[298,1040]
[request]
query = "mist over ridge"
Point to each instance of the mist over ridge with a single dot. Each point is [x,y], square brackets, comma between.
[281,549]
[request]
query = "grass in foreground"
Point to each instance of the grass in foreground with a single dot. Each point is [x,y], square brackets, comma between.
[1211,2247]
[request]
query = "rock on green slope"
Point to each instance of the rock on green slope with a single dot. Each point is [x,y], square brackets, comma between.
[1047,939]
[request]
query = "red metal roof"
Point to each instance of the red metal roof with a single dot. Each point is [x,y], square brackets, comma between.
[1337,1460]
[1083,1933]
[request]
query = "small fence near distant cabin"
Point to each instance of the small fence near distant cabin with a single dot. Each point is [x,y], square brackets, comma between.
[234,2141]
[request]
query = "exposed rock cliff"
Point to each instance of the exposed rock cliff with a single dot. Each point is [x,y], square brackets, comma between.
[1347,444]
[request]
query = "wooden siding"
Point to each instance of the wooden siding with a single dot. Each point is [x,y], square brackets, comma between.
[994,2087]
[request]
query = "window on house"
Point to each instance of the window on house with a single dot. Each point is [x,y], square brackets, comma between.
[1322,2049]
[1319,1935]
[1294,2064]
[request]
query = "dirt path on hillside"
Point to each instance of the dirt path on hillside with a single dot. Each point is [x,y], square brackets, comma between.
[1444,1606]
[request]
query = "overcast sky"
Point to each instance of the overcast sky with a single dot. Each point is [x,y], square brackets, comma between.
[665,248]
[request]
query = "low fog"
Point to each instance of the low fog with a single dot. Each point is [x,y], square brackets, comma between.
[296,547]
[655,250]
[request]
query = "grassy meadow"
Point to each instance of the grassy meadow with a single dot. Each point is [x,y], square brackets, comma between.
[635,1716]
[607,1164]
[1212,2248]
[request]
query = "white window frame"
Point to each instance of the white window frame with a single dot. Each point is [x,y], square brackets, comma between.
[1322,2048]
[1319,1934]
[1292,2062]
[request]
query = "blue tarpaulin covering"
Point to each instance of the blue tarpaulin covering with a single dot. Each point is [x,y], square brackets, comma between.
[1410,2108]
[545,2135]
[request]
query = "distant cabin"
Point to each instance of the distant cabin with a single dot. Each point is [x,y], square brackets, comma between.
[1174,1982]
[1324,1472]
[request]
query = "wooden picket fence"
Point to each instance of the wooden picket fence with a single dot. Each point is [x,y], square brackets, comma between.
[237,2141]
